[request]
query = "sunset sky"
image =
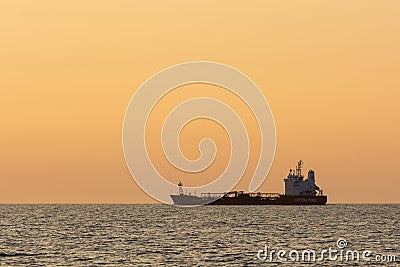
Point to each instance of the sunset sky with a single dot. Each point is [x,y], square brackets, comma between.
[68,69]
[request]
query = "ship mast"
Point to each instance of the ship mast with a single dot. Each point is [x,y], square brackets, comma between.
[180,189]
[298,168]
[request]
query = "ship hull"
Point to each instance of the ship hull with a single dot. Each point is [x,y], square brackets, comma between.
[281,200]
[246,199]
[188,200]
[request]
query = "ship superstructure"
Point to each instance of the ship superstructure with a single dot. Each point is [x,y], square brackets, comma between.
[296,185]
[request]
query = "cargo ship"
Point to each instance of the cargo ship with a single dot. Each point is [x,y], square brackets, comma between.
[298,191]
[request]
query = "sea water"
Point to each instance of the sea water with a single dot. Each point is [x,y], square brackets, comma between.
[163,235]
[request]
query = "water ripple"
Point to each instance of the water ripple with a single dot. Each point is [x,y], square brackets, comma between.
[161,235]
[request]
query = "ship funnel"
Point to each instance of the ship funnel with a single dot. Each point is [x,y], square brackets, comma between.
[311,174]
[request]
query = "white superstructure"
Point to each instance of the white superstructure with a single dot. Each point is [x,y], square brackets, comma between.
[296,185]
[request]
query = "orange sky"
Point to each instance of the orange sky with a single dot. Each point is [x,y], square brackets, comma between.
[329,70]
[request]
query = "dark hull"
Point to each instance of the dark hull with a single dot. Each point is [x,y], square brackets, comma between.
[248,199]
[281,200]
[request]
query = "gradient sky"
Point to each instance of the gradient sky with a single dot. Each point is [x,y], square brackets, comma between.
[68,69]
